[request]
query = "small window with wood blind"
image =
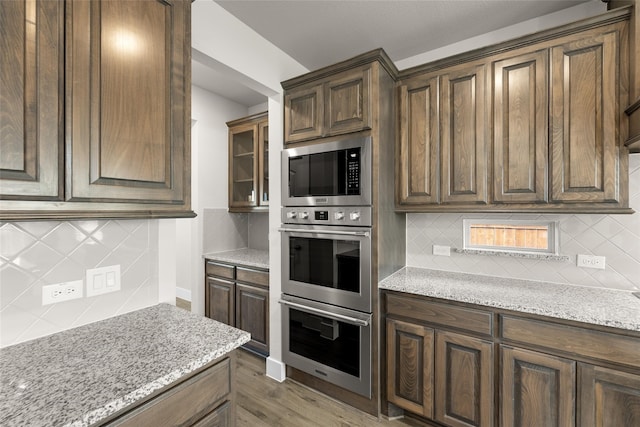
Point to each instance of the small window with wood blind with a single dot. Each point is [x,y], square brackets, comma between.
[511,236]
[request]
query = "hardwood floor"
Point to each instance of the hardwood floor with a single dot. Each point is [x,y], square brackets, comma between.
[263,402]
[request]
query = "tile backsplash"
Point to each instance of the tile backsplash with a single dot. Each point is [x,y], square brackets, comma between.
[35,254]
[617,237]
[225,231]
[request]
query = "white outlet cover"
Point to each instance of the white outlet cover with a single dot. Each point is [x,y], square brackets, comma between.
[442,250]
[591,261]
[59,292]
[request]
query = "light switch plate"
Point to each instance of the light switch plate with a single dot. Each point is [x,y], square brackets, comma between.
[103,280]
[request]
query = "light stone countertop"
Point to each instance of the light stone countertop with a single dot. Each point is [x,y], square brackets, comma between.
[613,308]
[83,375]
[243,257]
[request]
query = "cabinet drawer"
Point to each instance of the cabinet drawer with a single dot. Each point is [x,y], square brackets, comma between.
[185,403]
[572,340]
[220,270]
[221,417]
[252,276]
[467,319]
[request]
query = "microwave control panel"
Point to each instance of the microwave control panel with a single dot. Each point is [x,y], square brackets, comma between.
[328,215]
[353,171]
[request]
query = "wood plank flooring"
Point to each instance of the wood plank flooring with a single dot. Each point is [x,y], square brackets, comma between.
[264,402]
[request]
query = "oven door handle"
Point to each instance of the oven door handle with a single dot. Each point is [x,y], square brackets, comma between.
[338,232]
[328,314]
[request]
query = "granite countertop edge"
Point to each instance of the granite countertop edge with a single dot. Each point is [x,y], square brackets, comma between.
[200,341]
[135,396]
[245,257]
[597,306]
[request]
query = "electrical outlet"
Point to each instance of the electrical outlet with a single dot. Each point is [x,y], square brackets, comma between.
[591,261]
[442,250]
[103,280]
[59,292]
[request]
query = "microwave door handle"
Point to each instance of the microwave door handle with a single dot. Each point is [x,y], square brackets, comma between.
[328,314]
[337,232]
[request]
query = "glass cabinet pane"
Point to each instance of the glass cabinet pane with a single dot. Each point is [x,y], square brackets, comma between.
[243,174]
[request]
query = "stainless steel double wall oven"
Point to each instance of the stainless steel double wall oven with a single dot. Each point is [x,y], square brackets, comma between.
[326,261]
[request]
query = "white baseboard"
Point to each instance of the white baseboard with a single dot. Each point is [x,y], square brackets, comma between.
[183,293]
[276,369]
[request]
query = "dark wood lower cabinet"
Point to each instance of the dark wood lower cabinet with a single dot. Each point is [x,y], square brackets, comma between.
[220,303]
[410,366]
[205,399]
[537,389]
[608,398]
[252,315]
[239,296]
[459,365]
[464,380]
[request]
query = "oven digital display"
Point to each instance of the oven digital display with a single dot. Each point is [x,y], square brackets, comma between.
[322,215]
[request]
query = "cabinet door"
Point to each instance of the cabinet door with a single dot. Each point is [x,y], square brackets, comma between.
[128,103]
[464,135]
[418,165]
[303,114]
[31,99]
[220,304]
[252,315]
[410,364]
[347,106]
[537,389]
[608,398]
[464,380]
[243,166]
[584,120]
[263,172]
[520,128]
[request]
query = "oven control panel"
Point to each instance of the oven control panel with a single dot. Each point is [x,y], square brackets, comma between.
[328,215]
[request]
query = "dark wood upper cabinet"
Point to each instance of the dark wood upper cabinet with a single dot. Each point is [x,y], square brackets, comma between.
[585,122]
[536,124]
[116,93]
[31,94]
[419,144]
[464,135]
[335,103]
[520,130]
[249,163]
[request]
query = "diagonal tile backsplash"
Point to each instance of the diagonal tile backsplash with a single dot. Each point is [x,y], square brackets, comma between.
[617,237]
[35,254]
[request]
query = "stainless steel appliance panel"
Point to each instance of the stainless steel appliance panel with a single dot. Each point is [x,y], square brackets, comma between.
[329,342]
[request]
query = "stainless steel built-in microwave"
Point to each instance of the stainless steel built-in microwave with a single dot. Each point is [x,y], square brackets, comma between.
[336,173]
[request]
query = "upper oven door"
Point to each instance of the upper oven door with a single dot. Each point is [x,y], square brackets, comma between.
[334,173]
[328,264]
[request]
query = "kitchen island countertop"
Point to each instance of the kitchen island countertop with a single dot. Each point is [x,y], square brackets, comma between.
[81,376]
[598,306]
[244,257]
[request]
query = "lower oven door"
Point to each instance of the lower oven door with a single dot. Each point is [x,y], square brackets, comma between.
[332,343]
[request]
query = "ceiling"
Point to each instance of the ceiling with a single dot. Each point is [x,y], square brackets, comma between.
[317,33]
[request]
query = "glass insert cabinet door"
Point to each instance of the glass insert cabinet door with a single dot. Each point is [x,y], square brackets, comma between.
[243,166]
[249,163]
